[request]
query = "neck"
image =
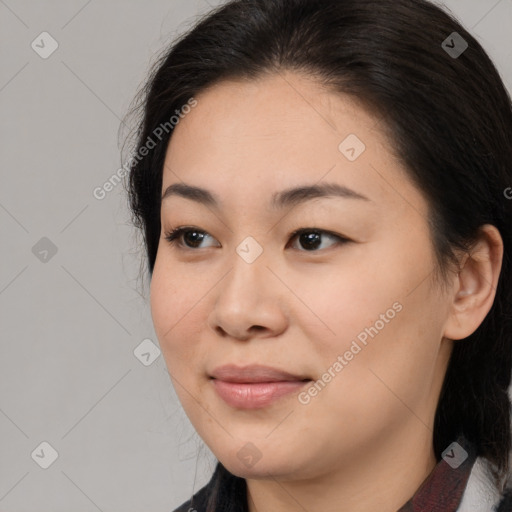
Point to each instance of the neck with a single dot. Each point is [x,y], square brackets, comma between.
[382,478]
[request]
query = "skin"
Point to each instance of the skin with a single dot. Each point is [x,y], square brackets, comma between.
[365,442]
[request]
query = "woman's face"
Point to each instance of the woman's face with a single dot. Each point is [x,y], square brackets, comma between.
[350,306]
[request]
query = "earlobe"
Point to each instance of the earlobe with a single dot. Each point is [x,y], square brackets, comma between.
[475,285]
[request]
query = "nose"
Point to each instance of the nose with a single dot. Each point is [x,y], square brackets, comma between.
[249,302]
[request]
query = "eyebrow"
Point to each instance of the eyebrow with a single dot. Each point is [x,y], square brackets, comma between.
[286,198]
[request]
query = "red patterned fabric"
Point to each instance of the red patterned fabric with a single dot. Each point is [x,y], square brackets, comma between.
[442,490]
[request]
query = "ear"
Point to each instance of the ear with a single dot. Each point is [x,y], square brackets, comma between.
[475,285]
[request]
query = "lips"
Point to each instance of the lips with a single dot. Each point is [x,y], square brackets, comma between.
[254,373]
[254,386]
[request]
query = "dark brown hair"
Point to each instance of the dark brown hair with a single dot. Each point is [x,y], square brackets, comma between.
[449,116]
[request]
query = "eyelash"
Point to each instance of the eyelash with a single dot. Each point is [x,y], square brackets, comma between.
[174,235]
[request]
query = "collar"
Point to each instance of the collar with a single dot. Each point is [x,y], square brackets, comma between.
[443,489]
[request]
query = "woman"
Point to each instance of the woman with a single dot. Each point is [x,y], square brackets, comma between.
[322,189]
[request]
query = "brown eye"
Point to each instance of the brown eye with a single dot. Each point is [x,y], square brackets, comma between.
[311,239]
[186,237]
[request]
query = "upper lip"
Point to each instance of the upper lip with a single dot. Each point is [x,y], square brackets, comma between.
[253,373]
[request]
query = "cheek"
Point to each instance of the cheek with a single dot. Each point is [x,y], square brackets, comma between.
[388,361]
[342,303]
[173,311]
[385,322]
[176,311]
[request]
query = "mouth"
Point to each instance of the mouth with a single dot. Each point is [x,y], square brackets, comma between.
[254,373]
[255,386]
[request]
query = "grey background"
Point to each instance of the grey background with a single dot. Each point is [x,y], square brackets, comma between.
[69,325]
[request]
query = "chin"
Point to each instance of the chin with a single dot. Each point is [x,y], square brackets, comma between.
[273,466]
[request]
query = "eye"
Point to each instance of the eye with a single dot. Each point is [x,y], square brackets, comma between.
[195,237]
[310,238]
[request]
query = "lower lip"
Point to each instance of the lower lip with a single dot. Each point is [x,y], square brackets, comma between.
[256,394]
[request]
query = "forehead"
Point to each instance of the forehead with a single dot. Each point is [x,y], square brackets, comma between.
[277,109]
[273,133]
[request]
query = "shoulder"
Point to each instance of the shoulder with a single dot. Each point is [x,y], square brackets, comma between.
[197,503]
[481,494]
[224,492]
[505,504]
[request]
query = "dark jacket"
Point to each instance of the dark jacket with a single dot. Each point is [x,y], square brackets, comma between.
[449,488]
